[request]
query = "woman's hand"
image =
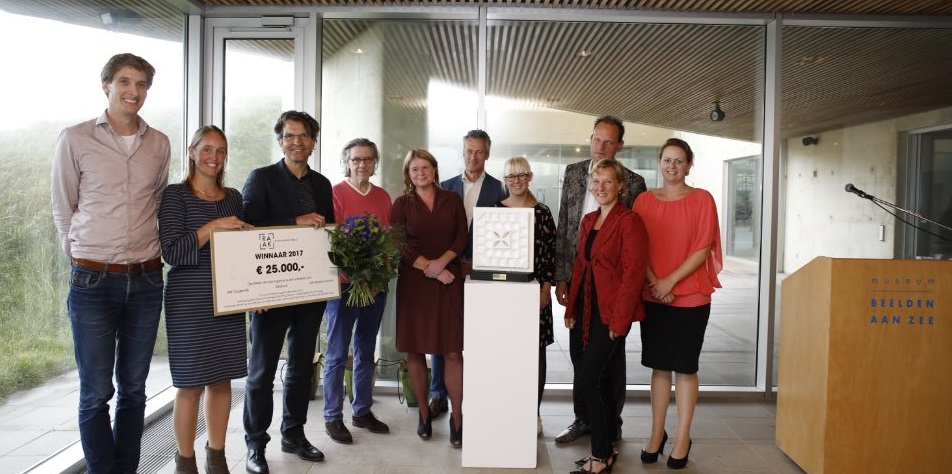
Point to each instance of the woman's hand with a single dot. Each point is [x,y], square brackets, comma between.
[230,222]
[545,299]
[446,277]
[661,288]
[612,335]
[570,323]
[434,268]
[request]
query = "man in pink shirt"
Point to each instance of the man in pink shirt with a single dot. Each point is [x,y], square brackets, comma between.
[107,182]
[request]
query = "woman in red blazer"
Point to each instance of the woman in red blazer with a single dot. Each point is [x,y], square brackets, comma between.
[605,298]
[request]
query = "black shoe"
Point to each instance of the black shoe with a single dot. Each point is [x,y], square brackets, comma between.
[438,406]
[649,458]
[424,428]
[456,434]
[338,432]
[609,465]
[581,462]
[576,430]
[370,422]
[674,463]
[302,448]
[256,463]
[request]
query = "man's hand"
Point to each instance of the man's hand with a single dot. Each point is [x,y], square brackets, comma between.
[313,219]
[562,292]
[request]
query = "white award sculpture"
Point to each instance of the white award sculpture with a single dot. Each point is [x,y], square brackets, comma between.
[503,243]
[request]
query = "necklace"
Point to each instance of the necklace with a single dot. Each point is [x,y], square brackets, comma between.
[207,195]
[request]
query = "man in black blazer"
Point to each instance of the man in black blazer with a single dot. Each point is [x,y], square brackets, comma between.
[478,189]
[286,193]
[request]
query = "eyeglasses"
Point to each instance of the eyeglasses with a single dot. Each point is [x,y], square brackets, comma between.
[517,177]
[358,161]
[290,137]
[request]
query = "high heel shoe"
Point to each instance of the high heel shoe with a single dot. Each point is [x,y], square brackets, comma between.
[456,434]
[649,458]
[425,428]
[581,462]
[675,463]
[609,465]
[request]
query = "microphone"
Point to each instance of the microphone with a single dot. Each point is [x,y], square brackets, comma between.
[859,192]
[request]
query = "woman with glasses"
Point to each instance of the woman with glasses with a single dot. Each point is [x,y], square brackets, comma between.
[518,175]
[684,253]
[353,196]
[604,299]
[430,284]
[205,351]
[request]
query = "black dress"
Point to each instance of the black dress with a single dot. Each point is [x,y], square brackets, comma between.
[544,264]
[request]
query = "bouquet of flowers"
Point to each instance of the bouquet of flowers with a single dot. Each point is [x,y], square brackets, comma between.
[367,253]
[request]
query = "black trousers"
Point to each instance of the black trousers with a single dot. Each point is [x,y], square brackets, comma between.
[300,326]
[595,380]
[617,370]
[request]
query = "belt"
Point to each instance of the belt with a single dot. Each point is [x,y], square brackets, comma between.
[140,267]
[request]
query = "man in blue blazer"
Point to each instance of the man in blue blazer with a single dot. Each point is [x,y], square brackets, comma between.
[478,189]
[286,193]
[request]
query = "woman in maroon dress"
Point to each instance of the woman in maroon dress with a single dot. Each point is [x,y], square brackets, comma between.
[430,284]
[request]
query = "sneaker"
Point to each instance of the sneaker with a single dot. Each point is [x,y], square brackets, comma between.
[438,406]
[369,421]
[338,432]
[576,430]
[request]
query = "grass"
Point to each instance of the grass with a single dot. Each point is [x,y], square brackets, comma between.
[35,343]
[35,340]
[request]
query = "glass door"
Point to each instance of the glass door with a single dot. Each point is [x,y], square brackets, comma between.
[934,195]
[257,73]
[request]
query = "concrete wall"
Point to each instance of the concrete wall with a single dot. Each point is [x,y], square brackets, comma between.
[820,218]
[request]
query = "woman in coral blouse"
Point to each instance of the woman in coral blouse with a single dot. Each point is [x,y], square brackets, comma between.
[684,253]
[604,299]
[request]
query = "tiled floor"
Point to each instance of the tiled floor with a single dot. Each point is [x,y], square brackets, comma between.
[37,423]
[730,436]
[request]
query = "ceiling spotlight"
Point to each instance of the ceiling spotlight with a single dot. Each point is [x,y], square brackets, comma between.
[717,114]
[584,54]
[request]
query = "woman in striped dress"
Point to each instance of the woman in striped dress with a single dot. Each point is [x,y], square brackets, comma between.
[205,351]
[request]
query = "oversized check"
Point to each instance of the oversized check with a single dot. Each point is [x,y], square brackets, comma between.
[268,267]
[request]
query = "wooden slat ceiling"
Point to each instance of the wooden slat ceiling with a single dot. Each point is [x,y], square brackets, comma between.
[851,7]
[665,75]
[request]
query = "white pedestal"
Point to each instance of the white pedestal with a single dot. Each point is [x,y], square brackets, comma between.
[500,369]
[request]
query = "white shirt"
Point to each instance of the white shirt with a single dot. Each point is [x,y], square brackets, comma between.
[471,194]
[589,204]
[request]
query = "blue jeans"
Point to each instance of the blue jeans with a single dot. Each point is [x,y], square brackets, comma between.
[437,385]
[342,322]
[300,324]
[114,317]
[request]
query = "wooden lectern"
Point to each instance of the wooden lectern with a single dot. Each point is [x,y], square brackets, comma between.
[865,372]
